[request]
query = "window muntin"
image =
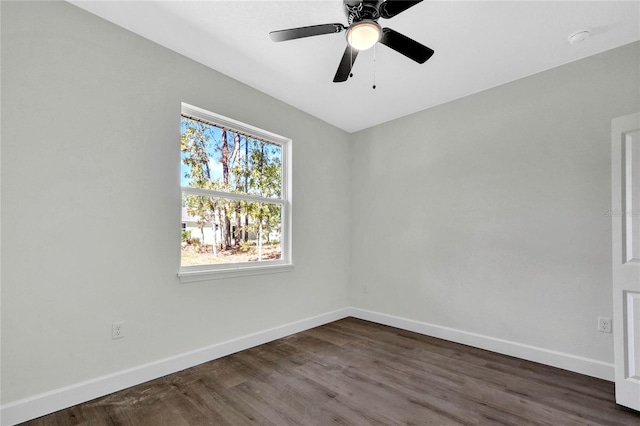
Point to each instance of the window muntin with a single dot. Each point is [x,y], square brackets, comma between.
[235,194]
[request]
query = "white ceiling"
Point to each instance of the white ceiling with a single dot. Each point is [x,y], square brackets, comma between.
[478,45]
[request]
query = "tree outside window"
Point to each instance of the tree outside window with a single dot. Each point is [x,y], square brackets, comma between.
[234,201]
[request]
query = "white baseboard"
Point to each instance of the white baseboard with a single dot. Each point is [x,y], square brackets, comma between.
[577,364]
[49,402]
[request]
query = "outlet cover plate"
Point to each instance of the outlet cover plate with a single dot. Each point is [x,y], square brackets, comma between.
[604,325]
[117,330]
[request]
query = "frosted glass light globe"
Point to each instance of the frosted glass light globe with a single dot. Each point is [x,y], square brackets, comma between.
[363,35]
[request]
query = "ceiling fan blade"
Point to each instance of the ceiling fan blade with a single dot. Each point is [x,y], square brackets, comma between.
[346,63]
[313,30]
[406,46]
[391,8]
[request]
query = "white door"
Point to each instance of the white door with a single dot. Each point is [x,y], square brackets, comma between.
[625,186]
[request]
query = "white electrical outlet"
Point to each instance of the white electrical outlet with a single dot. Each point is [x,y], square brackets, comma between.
[117,330]
[604,325]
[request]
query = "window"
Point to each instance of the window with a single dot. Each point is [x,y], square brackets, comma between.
[236,198]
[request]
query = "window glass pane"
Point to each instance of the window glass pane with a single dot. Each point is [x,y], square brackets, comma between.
[222,230]
[223,160]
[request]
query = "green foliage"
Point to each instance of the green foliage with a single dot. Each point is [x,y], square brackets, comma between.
[222,160]
[186,236]
[194,144]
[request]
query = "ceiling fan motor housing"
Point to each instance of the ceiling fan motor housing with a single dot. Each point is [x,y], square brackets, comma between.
[358,10]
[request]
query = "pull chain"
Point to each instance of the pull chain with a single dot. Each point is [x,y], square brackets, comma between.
[351,61]
[374,66]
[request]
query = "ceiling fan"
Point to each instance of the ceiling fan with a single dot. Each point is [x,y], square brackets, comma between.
[363,32]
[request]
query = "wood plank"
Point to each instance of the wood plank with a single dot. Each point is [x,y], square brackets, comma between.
[353,372]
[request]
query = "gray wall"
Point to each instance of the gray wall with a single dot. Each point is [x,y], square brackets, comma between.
[91,204]
[488,214]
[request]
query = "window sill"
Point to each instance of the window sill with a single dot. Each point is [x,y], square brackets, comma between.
[190,276]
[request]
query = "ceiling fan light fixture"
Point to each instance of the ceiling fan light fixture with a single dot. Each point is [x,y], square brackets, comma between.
[363,35]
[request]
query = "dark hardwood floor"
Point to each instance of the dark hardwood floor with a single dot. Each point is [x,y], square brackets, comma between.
[353,372]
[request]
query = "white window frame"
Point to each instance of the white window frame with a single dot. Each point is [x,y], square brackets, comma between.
[229,270]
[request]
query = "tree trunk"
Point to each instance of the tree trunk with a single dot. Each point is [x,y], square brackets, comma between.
[227,231]
[260,240]
[238,234]
[246,188]
[214,249]
[224,160]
